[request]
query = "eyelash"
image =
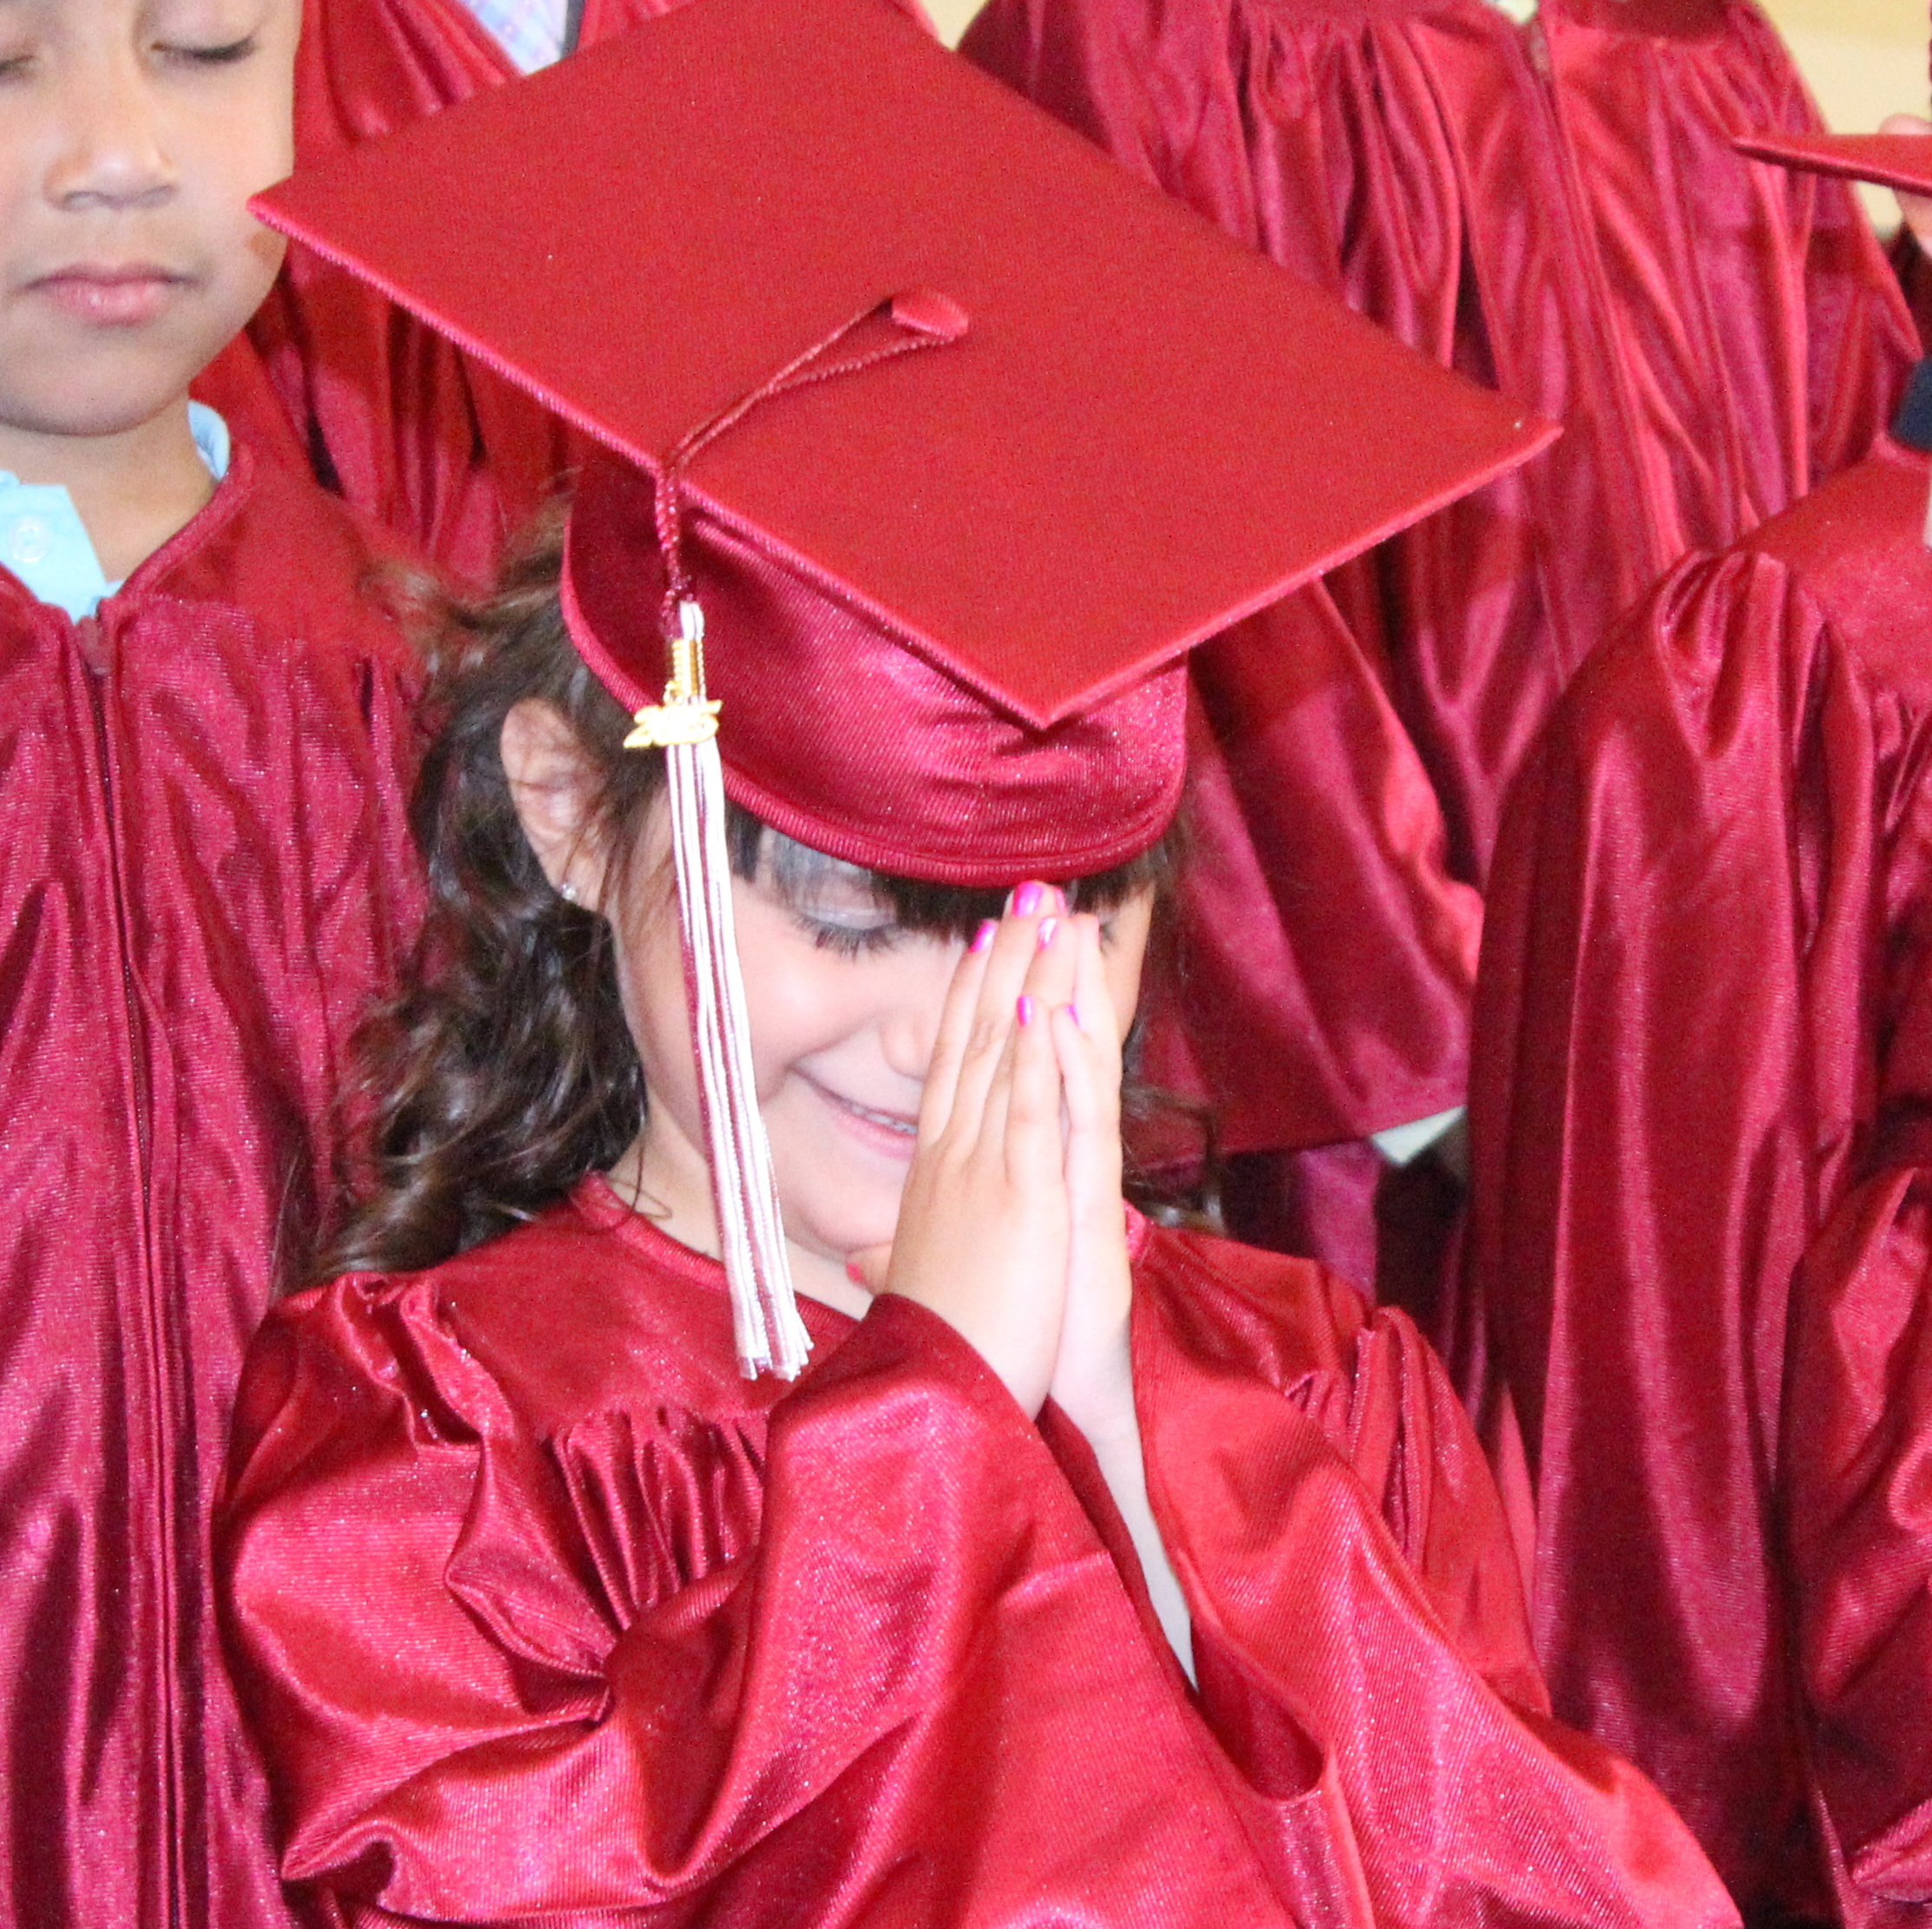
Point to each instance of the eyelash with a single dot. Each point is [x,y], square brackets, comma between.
[849,940]
[224,55]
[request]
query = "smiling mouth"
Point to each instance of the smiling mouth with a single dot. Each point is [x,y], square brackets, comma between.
[893,1130]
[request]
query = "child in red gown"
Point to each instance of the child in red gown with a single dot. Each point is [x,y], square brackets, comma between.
[1697,1229]
[1555,207]
[1085,1570]
[205,873]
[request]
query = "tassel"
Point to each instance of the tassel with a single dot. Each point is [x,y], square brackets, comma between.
[771,1337]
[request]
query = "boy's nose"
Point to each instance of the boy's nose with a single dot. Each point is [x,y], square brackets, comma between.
[114,155]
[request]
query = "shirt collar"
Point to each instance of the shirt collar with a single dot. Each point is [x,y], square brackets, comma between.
[44,541]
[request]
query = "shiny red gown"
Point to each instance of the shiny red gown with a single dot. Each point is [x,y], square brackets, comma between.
[336,380]
[205,873]
[1859,1432]
[1555,211]
[1702,1021]
[341,383]
[543,1613]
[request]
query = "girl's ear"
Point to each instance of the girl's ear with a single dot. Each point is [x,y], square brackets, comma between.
[554,789]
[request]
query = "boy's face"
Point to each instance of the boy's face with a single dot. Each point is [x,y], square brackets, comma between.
[132,134]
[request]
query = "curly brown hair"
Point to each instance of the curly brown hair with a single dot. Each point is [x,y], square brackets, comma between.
[503,1072]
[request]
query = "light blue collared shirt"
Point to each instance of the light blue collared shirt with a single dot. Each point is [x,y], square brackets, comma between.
[530,31]
[44,542]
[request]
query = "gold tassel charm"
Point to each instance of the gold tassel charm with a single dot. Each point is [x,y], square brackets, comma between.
[686,715]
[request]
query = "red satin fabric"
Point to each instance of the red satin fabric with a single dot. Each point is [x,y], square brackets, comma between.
[338,381]
[1325,959]
[1708,924]
[1555,211]
[1858,1431]
[539,1608]
[925,780]
[204,872]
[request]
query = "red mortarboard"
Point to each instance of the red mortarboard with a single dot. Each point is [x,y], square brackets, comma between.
[948,593]
[1146,432]
[1900,161]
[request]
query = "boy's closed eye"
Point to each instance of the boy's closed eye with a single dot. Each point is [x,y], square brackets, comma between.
[205,33]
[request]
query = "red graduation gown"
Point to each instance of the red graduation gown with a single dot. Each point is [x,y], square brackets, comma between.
[1557,212]
[205,873]
[1858,1431]
[542,1611]
[338,382]
[1708,920]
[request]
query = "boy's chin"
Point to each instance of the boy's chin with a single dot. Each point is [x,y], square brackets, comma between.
[108,386]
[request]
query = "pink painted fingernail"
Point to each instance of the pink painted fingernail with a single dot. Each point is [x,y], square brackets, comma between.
[1025,1008]
[1073,1012]
[983,936]
[1048,926]
[853,1273]
[1026,899]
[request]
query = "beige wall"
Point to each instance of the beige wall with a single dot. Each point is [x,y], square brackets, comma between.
[1864,58]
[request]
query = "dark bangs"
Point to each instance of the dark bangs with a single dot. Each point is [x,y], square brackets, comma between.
[797,872]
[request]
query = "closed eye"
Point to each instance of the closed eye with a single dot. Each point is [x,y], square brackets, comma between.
[226,54]
[849,940]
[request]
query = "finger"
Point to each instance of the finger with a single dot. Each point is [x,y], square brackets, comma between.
[949,1043]
[869,1267]
[1050,974]
[1093,998]
[1089,1080]
[1031,1096]
[1009,958]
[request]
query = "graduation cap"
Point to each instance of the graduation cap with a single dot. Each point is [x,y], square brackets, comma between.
[1900,161]
[935,441]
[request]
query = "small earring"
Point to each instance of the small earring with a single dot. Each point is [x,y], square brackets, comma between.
[567,891]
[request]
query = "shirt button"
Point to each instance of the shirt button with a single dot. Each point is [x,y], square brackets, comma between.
[32,540]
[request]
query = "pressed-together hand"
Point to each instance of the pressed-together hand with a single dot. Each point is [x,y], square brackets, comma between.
[984,1226]
[1092,1375]
[1012,1227]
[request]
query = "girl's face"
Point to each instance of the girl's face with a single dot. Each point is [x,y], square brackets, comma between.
[843,1006]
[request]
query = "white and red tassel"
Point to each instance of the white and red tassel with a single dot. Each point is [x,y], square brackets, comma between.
[771,1337]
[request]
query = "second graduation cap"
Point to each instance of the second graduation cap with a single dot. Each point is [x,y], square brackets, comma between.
[936,440]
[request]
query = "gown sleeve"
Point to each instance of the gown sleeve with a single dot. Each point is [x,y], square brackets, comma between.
[338,382]
[1858,1495]
[1677,1032]
[873,1666]
[1358,1620]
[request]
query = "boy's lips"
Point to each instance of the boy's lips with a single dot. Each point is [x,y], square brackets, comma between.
[116,297]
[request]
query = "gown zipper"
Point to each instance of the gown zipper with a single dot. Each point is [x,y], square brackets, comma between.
[96,643]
